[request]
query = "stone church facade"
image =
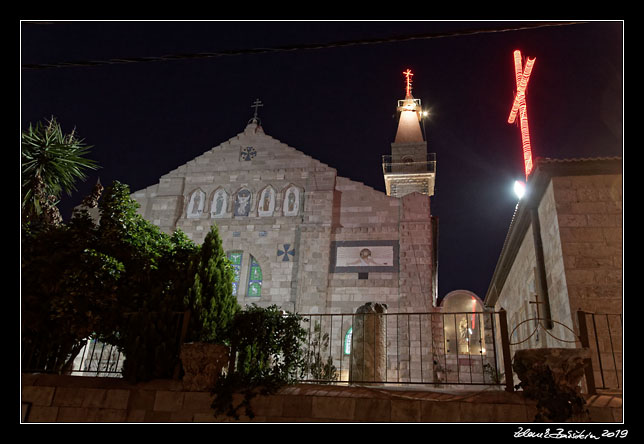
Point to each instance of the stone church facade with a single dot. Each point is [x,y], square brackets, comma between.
[299,235]
[303,238]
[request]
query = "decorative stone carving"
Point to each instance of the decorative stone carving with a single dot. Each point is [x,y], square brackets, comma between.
[203,363]
[552,376]
[368,344]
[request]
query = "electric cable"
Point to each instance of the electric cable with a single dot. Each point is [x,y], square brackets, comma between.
[288,48]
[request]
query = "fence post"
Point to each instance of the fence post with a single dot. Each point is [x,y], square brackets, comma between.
[505,346]
[585,343]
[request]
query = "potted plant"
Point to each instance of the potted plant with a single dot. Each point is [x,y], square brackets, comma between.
[212,303]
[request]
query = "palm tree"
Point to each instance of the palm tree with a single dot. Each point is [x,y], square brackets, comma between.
[52,162]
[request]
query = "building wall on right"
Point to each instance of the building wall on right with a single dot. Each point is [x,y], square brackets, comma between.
[579,204]
[589,212]
[520,290]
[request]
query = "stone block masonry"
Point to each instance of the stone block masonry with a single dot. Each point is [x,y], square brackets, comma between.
[589,211]
[78,399]
[285,210]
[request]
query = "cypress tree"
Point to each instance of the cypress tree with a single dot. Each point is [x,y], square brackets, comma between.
[211,294]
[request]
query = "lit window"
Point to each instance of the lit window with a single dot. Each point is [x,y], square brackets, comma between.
[235,258]
[347,341]
[254,279]
[246,277]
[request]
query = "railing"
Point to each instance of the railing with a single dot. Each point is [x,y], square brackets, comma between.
[465,348]
[404,348]
[98,359]
[93,358]
[599,333]
[391,165]
[410,348]
[90,357]
[602,334]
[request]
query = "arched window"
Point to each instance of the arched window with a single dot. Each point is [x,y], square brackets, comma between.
[254,279]
[247,281]
[235,257]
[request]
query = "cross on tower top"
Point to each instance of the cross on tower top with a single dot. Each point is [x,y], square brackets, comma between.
[408,74]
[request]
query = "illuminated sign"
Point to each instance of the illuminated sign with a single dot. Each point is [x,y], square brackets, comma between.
[519,106]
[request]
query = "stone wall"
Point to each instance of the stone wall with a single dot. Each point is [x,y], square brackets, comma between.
[521,284]
[49,398]
[294,249]
[581,230]
[589,209]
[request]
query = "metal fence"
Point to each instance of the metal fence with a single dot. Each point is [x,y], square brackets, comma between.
[404,348]
[439,349]
[91,357]
[98,359]
[602,333]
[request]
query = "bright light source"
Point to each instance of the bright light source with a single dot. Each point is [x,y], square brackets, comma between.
[519,188]
[425,113]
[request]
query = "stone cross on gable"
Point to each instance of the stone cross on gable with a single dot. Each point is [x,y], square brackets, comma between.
[256,105]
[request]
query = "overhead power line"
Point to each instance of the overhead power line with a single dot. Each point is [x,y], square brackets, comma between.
[304,47]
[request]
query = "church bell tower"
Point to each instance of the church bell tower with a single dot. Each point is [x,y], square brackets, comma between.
[409,168]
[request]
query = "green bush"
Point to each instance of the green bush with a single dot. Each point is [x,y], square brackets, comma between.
[266,345]
[124,282]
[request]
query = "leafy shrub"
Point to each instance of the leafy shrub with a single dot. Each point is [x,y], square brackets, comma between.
[266,346]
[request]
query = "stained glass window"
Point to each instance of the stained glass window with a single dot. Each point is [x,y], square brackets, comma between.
[254,279]
[246,277]
[235,257]
[347,341]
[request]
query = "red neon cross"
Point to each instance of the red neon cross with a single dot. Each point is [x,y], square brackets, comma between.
[408,74]
[519,106]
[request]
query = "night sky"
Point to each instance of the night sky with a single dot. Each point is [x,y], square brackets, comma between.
[336,104]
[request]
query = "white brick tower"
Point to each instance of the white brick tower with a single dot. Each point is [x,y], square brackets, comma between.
[409,168]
